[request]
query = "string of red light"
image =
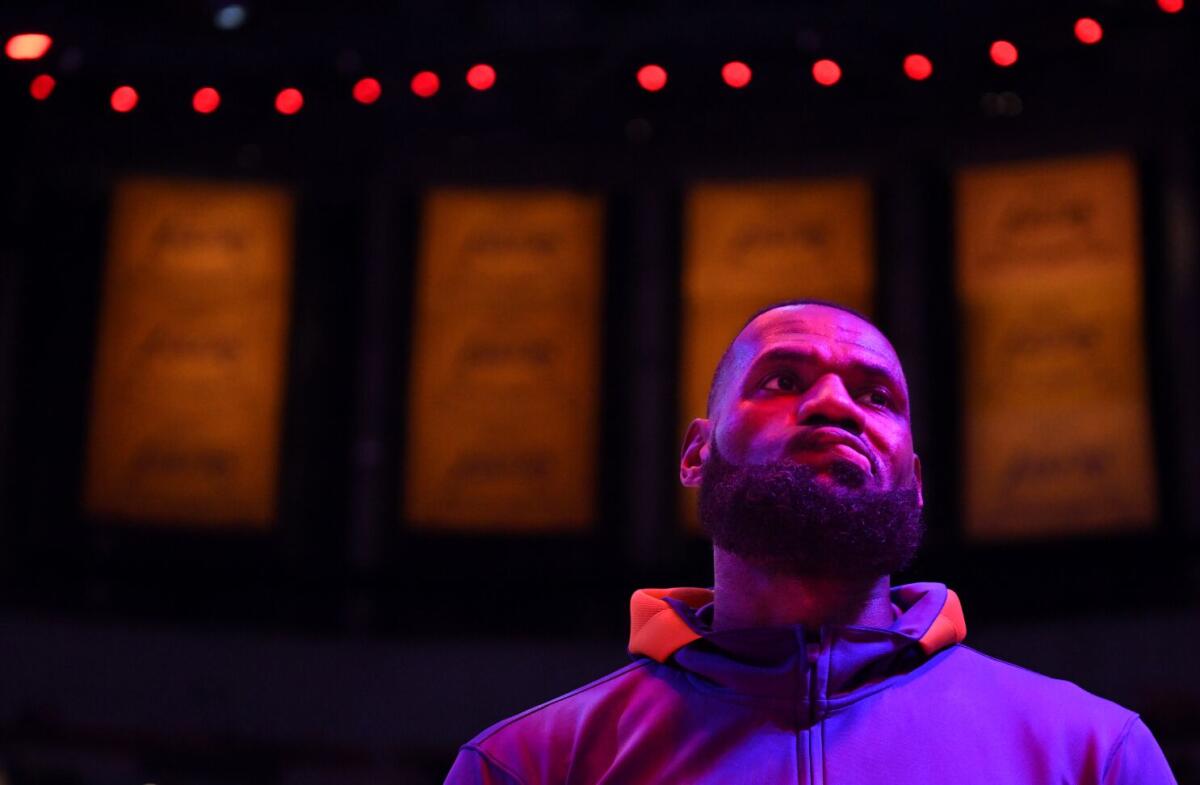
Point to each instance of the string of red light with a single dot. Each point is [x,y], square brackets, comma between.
[482,76]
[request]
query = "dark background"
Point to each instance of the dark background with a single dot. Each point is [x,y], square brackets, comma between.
[342,647]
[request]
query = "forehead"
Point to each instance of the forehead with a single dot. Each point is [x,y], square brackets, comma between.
[831,335]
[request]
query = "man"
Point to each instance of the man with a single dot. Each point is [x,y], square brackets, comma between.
[803,664]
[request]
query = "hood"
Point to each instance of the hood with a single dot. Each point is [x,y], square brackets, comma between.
[774,661]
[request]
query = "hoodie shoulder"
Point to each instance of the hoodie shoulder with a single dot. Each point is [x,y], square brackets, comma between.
[1103,738]
[1032,699]
[538,744]
[577,699]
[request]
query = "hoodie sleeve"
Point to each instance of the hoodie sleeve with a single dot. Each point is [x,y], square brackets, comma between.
[474,767]
[1136,759]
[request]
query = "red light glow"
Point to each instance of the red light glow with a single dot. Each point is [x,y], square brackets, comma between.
[736,74]
[826,72]
[1003,53]
[1088,31]
[425,84]
[367,90]
[481,77]
[206,100]
[652,77]
[918,68]
[123,99]
[1171,6]
[42,86]
[289,101]
[27,46]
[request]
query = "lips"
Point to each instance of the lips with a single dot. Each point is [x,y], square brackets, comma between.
[824,438]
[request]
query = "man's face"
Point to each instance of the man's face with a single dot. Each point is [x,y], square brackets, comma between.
[805,465]
[816,386]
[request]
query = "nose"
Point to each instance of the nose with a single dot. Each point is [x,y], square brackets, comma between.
[827,402]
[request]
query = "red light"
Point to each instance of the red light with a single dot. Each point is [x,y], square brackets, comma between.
[736,74]
[367,90]
[826,72]
[481,77]
[289,101]
[918,68]
[1003,53]
[206,100]
[1171,6]
[652,77]
[27,46]
[426,84]
[124,98]
[1088,31]
[42,86]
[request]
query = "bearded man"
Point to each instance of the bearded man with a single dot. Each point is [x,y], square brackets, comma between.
[803,664]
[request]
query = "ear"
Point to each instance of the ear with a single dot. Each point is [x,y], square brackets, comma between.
[917,477]
[695,453]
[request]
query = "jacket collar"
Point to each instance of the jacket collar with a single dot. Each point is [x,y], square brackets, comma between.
[668,623]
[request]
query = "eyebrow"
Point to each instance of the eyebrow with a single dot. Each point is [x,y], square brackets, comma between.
[866,368]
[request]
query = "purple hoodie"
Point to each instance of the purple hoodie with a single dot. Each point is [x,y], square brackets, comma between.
[838,705]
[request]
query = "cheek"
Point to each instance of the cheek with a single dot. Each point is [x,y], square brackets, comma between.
[752,427]
[895,448]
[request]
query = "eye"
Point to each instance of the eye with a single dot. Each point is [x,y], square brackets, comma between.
[781,382]
[878,397]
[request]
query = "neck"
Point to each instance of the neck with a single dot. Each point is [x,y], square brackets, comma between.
[747,595]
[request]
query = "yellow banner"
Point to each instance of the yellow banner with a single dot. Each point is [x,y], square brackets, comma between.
[748,245]
[504,409]
[1056,422]
[188,384]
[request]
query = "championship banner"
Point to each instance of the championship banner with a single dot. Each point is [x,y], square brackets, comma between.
[504,408]
[748,245]
[187,394]
[1057,425]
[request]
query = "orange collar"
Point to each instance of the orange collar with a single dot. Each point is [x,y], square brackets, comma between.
[657,631]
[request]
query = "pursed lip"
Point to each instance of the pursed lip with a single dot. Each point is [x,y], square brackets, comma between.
[826,436]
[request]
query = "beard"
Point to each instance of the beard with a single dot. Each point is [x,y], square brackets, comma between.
[780,517]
